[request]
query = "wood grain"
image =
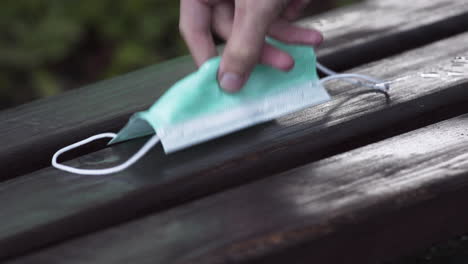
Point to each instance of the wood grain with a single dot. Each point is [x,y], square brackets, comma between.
[49,205]
[368,204]
[31,133]
[383,28]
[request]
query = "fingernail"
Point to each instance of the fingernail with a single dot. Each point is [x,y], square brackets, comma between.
[231,82]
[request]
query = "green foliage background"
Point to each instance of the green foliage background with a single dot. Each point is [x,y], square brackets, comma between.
[47,46]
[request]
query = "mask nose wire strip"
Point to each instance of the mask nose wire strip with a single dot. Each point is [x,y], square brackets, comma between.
[353,78]
[132,160]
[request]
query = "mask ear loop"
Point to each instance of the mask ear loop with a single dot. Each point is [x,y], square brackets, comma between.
[132,160]
[354,78]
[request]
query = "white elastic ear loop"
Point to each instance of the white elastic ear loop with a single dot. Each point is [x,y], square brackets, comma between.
[353,78]
[132,160]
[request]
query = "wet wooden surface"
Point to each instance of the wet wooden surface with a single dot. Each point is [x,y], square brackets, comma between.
[365,204]
[423,81]
[383,189]
[363,33]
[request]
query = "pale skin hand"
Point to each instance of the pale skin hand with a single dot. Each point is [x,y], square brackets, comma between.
[244,24]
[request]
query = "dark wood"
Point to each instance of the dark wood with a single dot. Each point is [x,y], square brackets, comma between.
[31,133]
[364,205]
[385,28]
[49,205]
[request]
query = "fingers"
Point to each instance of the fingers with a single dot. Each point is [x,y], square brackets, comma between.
[289,33]
[222,24]
[276,58]
[195,27]
[244,24]
[244,48]
[223,17]
[280,29]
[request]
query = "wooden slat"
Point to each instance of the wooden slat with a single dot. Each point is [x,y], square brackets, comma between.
[363,33]
[384,28]
[31,133]
[50,205]
[365,205]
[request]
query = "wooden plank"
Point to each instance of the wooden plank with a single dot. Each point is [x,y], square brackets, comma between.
[34,131]
[366,205]
[50,205]
[384,28]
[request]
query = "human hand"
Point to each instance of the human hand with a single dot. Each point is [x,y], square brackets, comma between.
[244,24]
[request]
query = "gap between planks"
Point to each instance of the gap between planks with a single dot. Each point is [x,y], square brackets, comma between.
[368,205]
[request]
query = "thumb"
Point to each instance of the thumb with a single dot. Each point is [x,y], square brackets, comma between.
[245,45]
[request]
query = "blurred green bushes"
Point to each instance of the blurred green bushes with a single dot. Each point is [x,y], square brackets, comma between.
[47,46]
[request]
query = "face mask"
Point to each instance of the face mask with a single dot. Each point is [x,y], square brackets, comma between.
[196,109]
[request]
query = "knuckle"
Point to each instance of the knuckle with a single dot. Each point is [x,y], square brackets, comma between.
[183,30]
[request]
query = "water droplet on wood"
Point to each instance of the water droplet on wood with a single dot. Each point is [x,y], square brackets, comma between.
[456,73]
[430,75]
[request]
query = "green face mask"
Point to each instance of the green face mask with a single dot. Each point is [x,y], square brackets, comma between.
[196,109]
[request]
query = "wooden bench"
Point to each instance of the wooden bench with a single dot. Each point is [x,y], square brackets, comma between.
[362,177]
